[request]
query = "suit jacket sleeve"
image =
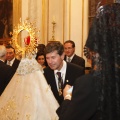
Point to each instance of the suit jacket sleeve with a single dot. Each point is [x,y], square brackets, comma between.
[6,73]
[84,101]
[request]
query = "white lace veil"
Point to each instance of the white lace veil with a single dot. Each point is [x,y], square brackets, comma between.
[28,66]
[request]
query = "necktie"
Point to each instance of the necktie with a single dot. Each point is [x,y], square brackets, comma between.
[69,60]
[60,83]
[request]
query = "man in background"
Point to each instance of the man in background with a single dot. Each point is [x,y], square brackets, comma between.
[6,72]
[10,57]
[70,56]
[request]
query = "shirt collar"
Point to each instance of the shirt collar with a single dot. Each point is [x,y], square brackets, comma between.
[63,69]
[70,57]
[11,62]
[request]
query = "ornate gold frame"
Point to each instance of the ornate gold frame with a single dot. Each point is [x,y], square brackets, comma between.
[29,49]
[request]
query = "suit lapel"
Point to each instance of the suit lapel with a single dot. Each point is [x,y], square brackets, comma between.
[73,59]
[67,75]
[14,63]
[53,81]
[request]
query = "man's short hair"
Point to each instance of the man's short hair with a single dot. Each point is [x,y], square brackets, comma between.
[70,41]
[9,46]
[54,45]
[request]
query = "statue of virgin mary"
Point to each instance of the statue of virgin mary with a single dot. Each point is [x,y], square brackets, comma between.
[28,96]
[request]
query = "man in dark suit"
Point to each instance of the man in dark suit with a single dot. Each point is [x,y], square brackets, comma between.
[6,72]
[69,72]
[10,57]
[70,56]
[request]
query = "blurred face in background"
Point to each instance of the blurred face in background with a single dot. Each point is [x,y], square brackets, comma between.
[10,54]
[69,49]
[41,60]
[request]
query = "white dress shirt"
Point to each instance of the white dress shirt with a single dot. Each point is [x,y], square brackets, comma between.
[11,62]
[67,58]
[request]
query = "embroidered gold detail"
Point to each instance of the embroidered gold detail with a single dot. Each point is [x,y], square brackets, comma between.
[28,116]
[18,81]
[8,112]
[27,66]
[27,97]
[48,88]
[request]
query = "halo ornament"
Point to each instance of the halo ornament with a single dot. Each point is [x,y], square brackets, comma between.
[29,49]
